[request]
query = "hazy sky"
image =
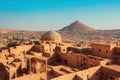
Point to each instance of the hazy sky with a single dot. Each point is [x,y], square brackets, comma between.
[55,14]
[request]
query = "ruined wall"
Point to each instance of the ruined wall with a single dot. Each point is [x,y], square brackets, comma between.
[15,50]
[4,53]
[44,48]
[79,60]
[65,77]
[8,56]
[70,59]
[73,49]
[37,48]
[103,50]
[107,73]
[93,61]
[116,55]
[88,74]
[4,75]
[49,47]
[20,49]
[38,65]
[62,49]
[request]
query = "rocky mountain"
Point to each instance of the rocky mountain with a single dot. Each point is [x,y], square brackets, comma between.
[78,31]
[77,27]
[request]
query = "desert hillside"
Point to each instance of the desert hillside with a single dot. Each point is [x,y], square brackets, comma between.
[74,32]
[78,31]
[77,26]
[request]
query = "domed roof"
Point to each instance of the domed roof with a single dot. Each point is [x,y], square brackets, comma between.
[51,33]
[51,36]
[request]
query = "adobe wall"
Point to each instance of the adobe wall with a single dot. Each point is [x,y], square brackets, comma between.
[93,61]
[12,71]
[44,48]
[78,60]
[73,49]
[116,55]
[3,73]
[107,73]
[37,48]
[4,53]
[118,44]
[49,47]
[29,77]
[65,77]
[70,59]
[91,74]
[56,71]
[20,49]
[106,62]
[102,50]
[38,65]
[17,51]
[62,48]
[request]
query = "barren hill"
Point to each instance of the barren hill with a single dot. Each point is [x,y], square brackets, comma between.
[28,33]
[77,27]
[78,31]
[75,32]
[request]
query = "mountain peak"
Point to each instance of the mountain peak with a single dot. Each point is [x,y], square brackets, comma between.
[77,26]
[77,21]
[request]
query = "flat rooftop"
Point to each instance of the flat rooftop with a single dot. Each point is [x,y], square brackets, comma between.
[113,67]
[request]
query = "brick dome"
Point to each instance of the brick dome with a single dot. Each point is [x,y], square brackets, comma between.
[51,36]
